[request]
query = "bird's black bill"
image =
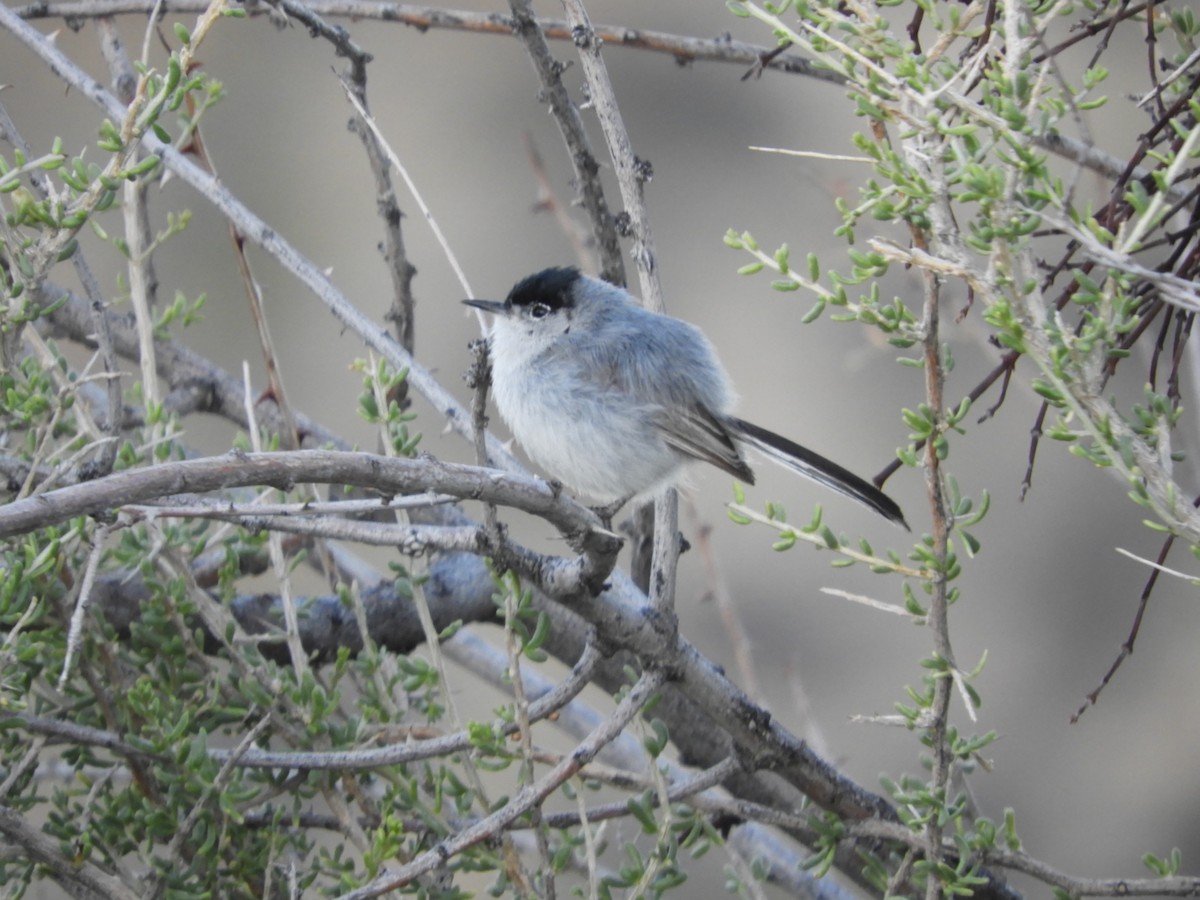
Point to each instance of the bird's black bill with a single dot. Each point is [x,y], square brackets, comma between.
[494,307]
[816,467]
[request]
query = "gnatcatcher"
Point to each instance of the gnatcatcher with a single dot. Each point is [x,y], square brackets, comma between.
[613,400]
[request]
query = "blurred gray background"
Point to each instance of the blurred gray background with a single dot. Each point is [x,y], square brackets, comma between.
[1048,599]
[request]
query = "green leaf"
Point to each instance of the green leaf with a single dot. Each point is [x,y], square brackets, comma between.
[781,259]
[970,543]
[815,313]
[640,809]
[736,517]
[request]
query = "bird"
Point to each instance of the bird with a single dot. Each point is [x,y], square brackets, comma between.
[614,400]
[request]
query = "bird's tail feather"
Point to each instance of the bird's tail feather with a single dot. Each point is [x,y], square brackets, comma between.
[812,465]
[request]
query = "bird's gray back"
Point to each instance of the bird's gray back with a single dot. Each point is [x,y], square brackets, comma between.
[657,359]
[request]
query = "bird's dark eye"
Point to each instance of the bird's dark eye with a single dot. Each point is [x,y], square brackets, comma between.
[539,311]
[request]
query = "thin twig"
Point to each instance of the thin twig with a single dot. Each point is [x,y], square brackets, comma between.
[83,600]
[278,561]
[547,200]
[570,125]
[938,616]
[632,175]
[369,121]
[718,590]
[516,677]
[527,798]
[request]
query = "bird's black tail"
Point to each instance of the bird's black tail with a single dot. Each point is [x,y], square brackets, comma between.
[816,467]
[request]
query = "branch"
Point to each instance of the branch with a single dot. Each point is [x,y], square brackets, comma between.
[682,48]
[82,878]
[284,470]
[527,798]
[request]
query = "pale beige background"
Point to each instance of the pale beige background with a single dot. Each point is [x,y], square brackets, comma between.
[1049,600]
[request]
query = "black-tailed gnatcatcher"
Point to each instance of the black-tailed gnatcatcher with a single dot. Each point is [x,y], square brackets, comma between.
[613,400]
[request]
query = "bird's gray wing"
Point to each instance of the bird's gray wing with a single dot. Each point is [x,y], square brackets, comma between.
[665,367]
[698,433]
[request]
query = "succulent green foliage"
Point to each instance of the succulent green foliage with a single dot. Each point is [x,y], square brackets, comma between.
[48,199]
[380,404]
[966,180]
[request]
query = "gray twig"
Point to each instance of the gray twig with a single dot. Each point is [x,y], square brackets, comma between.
[570,124]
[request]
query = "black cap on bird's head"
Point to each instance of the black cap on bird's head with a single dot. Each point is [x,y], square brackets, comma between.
[549,287]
